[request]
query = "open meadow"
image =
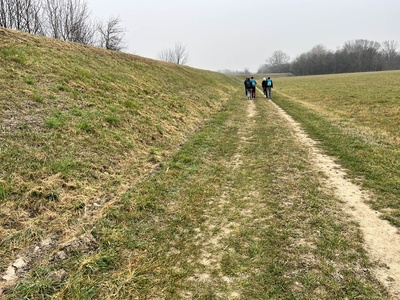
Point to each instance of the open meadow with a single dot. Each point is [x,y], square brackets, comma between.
[356,118]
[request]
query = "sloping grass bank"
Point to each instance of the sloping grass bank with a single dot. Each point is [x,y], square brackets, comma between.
[356,119]
[79,125]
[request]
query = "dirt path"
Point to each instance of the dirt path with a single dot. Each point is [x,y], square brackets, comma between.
[224,220]
[382,240]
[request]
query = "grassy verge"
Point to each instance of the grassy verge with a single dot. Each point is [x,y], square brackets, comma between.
[237,212]
[355,117]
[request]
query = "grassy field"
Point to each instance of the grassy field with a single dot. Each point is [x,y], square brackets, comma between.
[356,117]
[127,178]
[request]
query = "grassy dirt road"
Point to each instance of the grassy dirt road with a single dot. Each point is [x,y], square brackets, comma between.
[241,211]
[284,225]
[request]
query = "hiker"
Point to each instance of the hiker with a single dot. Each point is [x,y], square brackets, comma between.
[253,89]
[269,85]
[264,85]
[245,88]
[249,88]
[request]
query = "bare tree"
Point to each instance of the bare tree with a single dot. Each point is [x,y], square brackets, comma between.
[166,55]
[277,63]
[53,11]
[31,16]
[389,50]
[390,55]
[363,54]
[69,20]
[6,13]
[178,55]
[278,58]
[34,21]
[77,23]
[24,15]
[111,34]
[181,54]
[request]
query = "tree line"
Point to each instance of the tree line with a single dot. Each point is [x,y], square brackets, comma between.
[67,20]
[355,56]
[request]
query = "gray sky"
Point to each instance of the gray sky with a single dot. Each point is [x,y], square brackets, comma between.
[233,34]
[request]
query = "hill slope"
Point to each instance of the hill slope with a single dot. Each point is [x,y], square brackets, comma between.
[78,125]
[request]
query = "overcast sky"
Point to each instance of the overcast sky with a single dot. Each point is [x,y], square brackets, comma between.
[238,34]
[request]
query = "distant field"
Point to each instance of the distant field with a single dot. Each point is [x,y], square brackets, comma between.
[357,119]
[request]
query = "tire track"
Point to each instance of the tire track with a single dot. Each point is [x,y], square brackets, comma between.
[222,222]
[381,239]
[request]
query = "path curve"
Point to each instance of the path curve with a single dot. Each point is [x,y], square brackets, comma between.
[382,239]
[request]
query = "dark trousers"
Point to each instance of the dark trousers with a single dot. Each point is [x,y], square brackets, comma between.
[268,90]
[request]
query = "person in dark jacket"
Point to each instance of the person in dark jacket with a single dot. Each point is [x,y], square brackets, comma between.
[249,88]
[264,85]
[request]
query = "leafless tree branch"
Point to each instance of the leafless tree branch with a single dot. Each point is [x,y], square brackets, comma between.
[111,34]
[178,55]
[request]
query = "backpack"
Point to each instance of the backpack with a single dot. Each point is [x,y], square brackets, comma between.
[269,82]
[248,84]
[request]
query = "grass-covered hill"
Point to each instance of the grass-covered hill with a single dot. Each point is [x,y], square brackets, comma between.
[80,125]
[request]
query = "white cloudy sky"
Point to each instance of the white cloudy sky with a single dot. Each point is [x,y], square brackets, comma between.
[235,34]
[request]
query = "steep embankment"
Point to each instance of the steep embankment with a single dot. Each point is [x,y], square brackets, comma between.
[78,126]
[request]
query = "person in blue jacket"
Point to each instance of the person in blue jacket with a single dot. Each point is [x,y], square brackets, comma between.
[269,85]
[253,90]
